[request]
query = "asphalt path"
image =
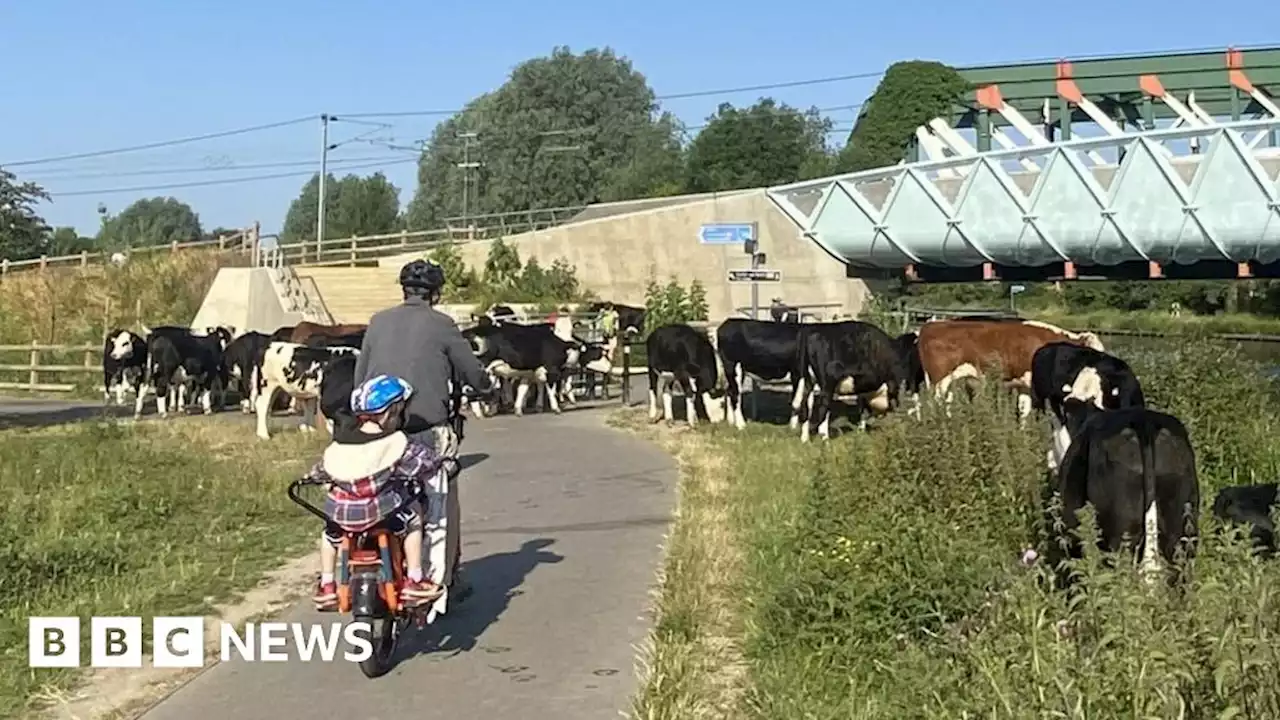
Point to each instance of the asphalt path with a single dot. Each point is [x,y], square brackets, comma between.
[563,519]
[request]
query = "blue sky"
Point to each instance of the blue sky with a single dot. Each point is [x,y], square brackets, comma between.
[107,75]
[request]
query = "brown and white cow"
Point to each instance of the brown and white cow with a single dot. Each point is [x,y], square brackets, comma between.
[952,350]
[306,330]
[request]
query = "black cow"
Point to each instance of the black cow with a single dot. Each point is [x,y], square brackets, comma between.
[851,361]
[336,384]
[243,361]
[181,360]
[681,354]
[533,353]
[352,340]
[124,364]
[1251,505]
[1138,470]
[768,351]
[781,312]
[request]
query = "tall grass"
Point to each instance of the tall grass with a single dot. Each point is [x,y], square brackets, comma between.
[890,583]
[71,305]
[150,519]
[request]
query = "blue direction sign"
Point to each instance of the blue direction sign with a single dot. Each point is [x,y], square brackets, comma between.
[726,233]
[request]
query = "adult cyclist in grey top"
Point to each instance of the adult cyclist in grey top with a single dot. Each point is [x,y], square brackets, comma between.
[422,345]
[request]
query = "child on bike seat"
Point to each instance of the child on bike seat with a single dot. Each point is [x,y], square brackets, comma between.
[371,468]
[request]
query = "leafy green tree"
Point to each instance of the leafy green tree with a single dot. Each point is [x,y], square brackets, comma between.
[910,94]
[672,303]
[22,229]
[564,130]
[460,281]
[150,221]
[765,144]
[502,266]
[66,241]
[354,205]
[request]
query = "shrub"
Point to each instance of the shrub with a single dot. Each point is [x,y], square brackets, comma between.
[672,303]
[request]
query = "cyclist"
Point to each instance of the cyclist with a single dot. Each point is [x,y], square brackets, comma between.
[372,469]
[417,342]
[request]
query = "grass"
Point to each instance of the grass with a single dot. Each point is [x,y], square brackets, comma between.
[1160,322]
[879,575]
[148,519]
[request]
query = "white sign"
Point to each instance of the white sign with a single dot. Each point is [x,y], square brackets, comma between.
[178,642]
[756,275]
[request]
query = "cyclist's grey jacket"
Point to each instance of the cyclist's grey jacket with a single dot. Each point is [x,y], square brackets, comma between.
[422,345]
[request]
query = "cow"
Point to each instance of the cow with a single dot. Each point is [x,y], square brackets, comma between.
[243,360]
[182,364]
[299,371]
[305,330]
[354,340]
[1060,370]
[1137,468]
[678,353]
[908,346]
[283,333]
[336,385]
[533,353]
[768,351]
[851,361]
[952,350]
[124,364]
[1251,505]
[781,312]
[626,319]
[501,314]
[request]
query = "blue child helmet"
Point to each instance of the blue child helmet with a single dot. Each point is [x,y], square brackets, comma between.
[379,393]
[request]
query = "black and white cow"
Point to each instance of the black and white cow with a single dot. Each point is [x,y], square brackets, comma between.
[299,371]
[908,346]
[1138,470]
[1250,505]
[782,312]
[627,319]
[680,354]
[124,364]
[853,362]
[768,351]
[183,364]
[533,354]
[1060,370]
[243,361]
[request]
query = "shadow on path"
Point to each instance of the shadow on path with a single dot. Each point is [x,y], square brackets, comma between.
[472,459]
[27,414]
[495,580]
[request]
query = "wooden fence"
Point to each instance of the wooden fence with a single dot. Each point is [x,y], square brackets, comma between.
[238,242]
[35,373]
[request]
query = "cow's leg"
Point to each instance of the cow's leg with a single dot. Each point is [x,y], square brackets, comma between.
[1150,568]
[797,399]
[550,382]
[739,419]
[308,407]
[655,383]
[164,396]
[817,406]
[522,395]
[731,391]
[689,387]
[667,401]
[138,401]
[121,388]
[206,401]
[263,407]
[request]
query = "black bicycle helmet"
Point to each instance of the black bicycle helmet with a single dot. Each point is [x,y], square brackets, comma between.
[423,275]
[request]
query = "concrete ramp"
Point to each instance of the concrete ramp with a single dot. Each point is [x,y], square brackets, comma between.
[251,299]
[353,295]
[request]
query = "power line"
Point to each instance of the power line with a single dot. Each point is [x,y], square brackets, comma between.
[207,168]
[674,96]
[160,144]
[222,181]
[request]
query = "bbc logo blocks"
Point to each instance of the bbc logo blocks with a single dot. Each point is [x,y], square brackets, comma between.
[116,642]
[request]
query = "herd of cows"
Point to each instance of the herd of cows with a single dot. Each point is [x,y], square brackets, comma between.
[1133,464]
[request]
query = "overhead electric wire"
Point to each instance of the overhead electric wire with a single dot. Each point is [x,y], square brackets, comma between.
[221,181]
[159,144]
[207,168]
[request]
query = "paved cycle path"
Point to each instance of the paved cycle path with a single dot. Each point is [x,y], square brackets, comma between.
[562,522]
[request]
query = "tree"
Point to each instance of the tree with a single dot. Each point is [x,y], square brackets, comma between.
[150,221]
[354,205]
[66,241]
[564,130]
[765,144]
[910,94]
[22,230]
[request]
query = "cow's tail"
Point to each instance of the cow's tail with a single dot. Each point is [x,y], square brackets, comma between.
[1147,433]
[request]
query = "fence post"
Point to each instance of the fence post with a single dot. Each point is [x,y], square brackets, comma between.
[353,251]
[44,262]
[33,377]
[173,246]
[404,238]
[84,258]
[626,373]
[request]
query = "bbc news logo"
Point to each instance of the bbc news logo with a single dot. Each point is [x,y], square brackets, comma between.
[178,642]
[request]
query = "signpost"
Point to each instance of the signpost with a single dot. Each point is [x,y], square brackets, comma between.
[727,233]
[755,275]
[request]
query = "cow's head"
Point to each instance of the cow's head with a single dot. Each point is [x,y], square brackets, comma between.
[1087,388]
[1090,340]
[1122,390]
[1076,413]
[594,357]
[224,334]
[121,345]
